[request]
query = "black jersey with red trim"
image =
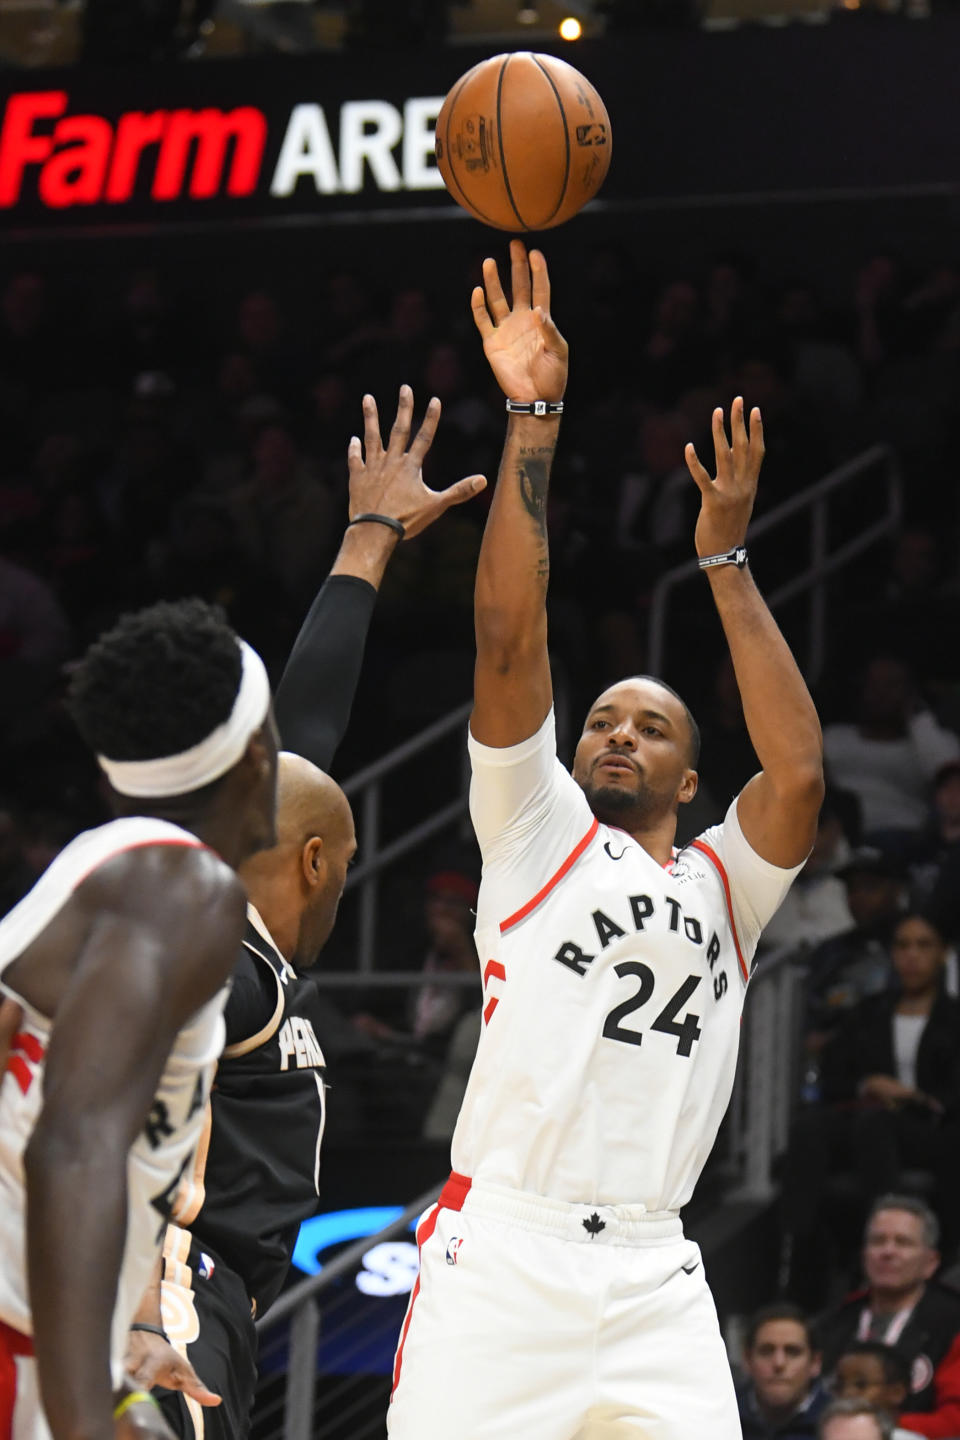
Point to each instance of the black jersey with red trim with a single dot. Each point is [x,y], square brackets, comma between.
[258,1162]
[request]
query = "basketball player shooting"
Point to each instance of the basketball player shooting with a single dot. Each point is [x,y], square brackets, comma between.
[614,971]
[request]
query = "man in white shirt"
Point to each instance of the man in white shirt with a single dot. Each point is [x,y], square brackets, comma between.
[558,1297]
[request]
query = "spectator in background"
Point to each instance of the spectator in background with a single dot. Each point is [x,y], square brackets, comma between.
[890,1083]
[816,907]
[856,963]
[435,1009]
[285,515]
[854,1420]
[875,1374]
[939,881]
[890,754]
[903,1305]
[784,1396]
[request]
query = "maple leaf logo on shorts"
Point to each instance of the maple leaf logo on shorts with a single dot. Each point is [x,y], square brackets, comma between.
[593,1225]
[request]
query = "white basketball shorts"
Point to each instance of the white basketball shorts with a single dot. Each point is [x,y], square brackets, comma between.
[539,1319]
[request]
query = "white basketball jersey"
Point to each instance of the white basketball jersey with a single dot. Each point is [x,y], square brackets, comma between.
[613,989]
[161,1151]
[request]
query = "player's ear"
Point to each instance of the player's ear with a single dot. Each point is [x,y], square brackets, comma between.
[688,787]
[313,862]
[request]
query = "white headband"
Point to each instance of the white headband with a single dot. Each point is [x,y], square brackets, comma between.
[212,757]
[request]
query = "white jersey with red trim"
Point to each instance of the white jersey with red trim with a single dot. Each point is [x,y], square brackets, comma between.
[613,989]
[162,1151]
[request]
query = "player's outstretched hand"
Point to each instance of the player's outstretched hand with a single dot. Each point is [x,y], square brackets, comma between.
[150,1360]
[526,351]
[390,481]
[727,501]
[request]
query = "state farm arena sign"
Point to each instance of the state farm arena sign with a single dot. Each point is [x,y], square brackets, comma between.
[76,153]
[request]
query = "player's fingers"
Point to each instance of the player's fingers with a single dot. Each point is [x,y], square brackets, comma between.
[461,491]
[400,430]
[481,315]
[757,446]
[519,275]
[372,443]
[541,281]
[738,430]
[496,300]
[721,448]
[354,455]
[424,437]
[703,481]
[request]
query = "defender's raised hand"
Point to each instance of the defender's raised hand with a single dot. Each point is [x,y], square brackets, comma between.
[526,351]
[728,499]
[390,481]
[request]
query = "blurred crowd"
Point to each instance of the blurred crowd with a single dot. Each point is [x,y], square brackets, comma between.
[165,436]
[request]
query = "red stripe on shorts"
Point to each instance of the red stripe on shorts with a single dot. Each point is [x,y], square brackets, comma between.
[555,879]
[451,1197]
[717,863]
[30,1046]
[12,1344]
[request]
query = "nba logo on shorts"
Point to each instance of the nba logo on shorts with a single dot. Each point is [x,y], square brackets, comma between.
[205,1266]
[453,1250]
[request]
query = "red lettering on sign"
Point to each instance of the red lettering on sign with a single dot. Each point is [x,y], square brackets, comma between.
[19,146]
[134,131]
[83,161]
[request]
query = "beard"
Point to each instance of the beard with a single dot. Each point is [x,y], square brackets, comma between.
[615,806]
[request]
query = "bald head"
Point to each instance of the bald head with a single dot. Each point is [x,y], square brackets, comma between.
[308,803]
[296,886]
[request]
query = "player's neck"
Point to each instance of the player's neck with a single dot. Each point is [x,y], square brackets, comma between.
[656,838]
[213,823]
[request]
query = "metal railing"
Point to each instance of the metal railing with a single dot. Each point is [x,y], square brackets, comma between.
[299,1320]
[367,783]
[765,1088]
[823,563]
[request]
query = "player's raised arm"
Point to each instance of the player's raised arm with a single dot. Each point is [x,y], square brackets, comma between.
[164,931]
[778,808]
[528,356]
[388,503]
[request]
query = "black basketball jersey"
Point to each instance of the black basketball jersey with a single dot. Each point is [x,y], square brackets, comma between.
[258,1162]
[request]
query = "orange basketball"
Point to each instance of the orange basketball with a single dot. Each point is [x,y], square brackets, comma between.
[523,141]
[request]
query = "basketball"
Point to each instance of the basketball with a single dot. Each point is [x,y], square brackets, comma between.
[523,141]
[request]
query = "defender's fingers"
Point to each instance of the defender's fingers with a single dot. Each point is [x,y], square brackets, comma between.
[400,430]
[738,430]
[481,315]
[424,437]
[541,281]
[702,479]
[519,275]
[354,455]
[372,443]
[461,491]
[496,300]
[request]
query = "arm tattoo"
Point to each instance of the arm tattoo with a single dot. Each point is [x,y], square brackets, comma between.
[533,472]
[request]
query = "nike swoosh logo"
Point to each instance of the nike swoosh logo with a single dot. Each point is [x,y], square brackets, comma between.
[689,1269]
[611,854]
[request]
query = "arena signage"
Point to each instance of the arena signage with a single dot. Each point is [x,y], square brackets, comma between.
[65,158]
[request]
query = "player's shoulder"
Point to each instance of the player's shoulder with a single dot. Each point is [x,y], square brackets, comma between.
[147,863]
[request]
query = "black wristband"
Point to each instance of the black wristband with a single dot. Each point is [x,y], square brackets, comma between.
[387,520]
[535,407]
[737,556]
[151,1329]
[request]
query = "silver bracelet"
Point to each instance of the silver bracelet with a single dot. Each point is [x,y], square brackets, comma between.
[737,556]
[535,407]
